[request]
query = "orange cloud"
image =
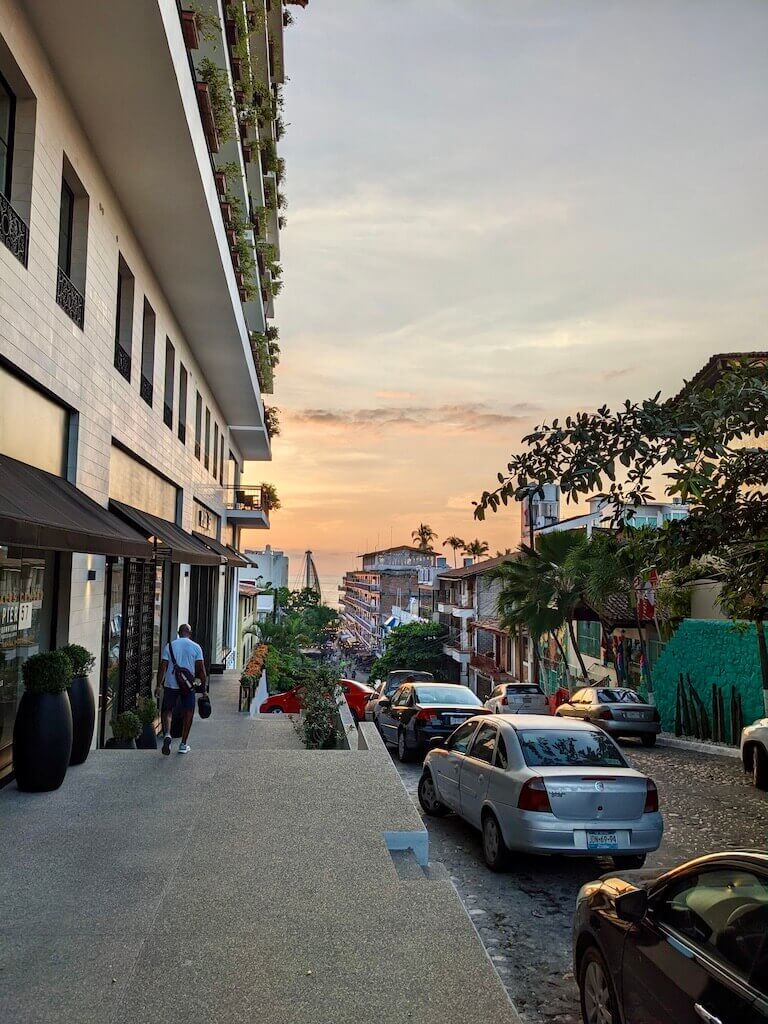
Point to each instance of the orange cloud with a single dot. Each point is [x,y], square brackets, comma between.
[461,417]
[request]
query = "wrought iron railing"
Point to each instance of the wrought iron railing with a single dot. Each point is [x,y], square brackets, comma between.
[146,389]
[183,433]
[70,299]
[122,362]
[14,232]
[168,415]
[245,499]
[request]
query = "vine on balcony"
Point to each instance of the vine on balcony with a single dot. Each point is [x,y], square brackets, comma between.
[266,355]
[272,420]
[217,81]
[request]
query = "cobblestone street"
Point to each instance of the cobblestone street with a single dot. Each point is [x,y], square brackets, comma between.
[524,917]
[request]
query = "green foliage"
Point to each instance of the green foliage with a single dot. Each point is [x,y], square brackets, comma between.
[47,672]
[217,81]
[455,543]
[263,360]
[268,155]
[476,548]
[269,496]
[319,707]
[272,420]
[415,645]
[126,726]
[147,711]
[81,658]
[208,22]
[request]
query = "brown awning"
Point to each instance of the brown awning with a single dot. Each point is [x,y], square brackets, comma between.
[40,510]
[172,541]
[230,556]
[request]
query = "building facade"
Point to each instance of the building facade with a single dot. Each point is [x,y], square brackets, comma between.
[135,292]
[269,567]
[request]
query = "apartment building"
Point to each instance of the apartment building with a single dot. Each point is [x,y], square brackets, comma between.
[387,579]
[139,217]
[269,567]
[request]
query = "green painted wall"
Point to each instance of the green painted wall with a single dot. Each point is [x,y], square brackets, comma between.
[709,651]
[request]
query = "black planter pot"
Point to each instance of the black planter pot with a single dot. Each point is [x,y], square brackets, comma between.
[83,718]
[113,744]
[42,741]
[147,738]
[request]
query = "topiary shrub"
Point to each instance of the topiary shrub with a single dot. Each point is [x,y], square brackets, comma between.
[126,726]
[147,711]
[319,709]
[81,658]
[48,672]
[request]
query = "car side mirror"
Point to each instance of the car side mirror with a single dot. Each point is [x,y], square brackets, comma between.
[437,741]
[385,702]
[631,905]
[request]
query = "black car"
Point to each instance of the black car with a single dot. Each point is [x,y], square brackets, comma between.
[683,947]
[417,713]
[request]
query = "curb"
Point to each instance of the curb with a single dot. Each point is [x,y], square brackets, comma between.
[699,747]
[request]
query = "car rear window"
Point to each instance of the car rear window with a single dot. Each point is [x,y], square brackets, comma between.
[524,688]
[447,695]
[555,748]
[618,695]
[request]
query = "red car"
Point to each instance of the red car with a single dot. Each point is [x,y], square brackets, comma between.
[288,703]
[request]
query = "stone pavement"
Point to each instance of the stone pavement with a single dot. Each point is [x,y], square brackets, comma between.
[249,880]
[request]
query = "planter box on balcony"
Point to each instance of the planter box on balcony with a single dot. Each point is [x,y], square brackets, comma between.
[240,278]
[231,237]
[221,182]
[243,295]
[247,152]
[235,259]
[260,262]
[237,69]
[226,212]
[190,29]
[243,130]
[206,116]
[230,27]
[239,94]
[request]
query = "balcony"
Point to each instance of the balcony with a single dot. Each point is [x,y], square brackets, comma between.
[457,649]
[70,299]
[14,232]
[246,507]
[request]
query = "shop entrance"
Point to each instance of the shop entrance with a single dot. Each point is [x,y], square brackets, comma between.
[203,594]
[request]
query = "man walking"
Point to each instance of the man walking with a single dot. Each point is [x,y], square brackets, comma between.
[185,658]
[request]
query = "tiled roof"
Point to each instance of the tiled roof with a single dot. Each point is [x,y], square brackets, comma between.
[475,570]
[714,367]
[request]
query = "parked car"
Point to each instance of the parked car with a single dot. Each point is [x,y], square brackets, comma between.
[688,945]
[289,703]
[418,713]
[754,752]
[518,699]
[618,710]
[537,784]
[389,686]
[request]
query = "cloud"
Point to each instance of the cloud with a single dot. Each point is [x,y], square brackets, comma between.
[462,417]
[403,396]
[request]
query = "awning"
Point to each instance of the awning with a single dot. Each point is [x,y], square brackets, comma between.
[40,510]
[390,622]
[230,556]
[172,541]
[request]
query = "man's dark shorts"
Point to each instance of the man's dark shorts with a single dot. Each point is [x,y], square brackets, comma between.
[173,698]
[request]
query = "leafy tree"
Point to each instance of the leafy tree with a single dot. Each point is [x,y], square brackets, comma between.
[415,645]
[454,542]
[476,548]
[424,535]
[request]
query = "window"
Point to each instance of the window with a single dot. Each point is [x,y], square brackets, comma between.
[170,373]
[124,319]
[459,741]
[485,744]
[7,119]
[619,695]
[502,761]
[447,695]
[588,636]
[198,423]
[725,912]
[146,386]
[182,403]
[207,437]
[221,460]
[66,215]
[215,449]
[73,244]
[554,748]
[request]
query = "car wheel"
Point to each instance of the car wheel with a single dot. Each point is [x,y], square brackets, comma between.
[629,861]
[403,753]
[428,798]
[276,711]
[598,1002]
[759,768]
[495,850]
[648,740]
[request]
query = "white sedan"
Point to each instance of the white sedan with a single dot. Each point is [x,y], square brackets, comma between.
[754,752]
[541,785]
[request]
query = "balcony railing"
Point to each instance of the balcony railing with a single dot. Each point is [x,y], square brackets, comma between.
[146,389]
[14,233]
[70,299]
[246,499]
[122,362]
[168,415]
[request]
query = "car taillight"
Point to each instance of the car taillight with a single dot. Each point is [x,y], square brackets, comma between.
[651,797]
[426,716]
[606,713]
[534,797]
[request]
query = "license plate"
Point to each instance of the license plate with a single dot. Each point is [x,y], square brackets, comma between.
[635,715]
[526,700]
[602,841]
[455,719]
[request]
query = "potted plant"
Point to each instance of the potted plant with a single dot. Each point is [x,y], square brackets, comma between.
[147,712]
[220,178]
[125,728]
[42,732]
[190,27]
[81,701]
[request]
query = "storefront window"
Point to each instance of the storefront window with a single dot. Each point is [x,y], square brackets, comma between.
[113,633]
[26,595]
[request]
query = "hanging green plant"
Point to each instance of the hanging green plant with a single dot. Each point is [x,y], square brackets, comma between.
[221,98]
[208,22]
[269,161]
[270,194]
[263,361]
[280,170]
[272,420]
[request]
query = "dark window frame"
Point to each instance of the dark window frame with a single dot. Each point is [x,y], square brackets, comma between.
[67,192]
[183,400]
[198,425]
[169,381]
[207,448]
[5,186]
[215,467]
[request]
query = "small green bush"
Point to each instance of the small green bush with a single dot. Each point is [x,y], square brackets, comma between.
[48,672]
[126,726]
[81,658]
[147,711]
[319,723]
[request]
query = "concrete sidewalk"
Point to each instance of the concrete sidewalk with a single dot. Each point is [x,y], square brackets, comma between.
[249,880]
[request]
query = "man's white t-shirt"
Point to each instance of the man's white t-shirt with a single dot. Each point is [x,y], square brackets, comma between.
[186,652]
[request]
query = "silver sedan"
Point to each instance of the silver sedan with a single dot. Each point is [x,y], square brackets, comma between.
[619,710]
[543,785]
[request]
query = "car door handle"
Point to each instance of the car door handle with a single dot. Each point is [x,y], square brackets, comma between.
[705,1015]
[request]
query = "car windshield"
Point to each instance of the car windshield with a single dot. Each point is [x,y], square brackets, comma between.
[524,688]
[396,680]
[555,748]
[618,696]
[447,695]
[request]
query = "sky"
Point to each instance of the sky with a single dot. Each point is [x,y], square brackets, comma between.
[500,211]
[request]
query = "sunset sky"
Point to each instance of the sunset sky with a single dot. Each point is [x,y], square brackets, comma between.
[500,211]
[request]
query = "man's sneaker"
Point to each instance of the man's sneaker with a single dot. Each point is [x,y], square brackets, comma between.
[184,748]
[166,745]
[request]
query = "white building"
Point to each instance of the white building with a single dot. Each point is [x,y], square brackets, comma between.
[269,567]
[654,513]
[133,306]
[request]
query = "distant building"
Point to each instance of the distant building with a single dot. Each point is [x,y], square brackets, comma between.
[543,509]
[600,515]
[270,564]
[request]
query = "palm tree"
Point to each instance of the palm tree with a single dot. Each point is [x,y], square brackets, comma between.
[456,543]
[424,535]
[504,553]
[476,548]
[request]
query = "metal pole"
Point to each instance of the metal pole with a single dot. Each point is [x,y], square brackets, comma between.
[532,543]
